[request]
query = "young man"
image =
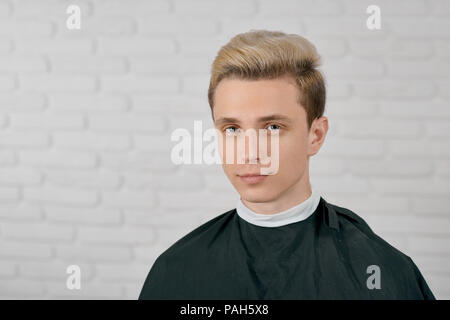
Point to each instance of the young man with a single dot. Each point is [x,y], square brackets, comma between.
[283,240]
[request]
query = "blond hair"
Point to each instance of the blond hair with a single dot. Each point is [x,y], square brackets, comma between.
[263,54]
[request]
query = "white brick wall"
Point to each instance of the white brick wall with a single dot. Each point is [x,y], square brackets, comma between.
[86,118]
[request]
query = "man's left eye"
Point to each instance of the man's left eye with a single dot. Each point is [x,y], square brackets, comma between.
[274,127]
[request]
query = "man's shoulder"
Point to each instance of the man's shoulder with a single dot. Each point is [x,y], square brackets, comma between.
[197,239]
[358,235]
[361,241]
[346,214]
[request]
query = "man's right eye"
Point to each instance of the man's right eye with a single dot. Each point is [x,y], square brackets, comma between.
[231,130]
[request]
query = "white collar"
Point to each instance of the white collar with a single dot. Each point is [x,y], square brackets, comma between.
[294,214]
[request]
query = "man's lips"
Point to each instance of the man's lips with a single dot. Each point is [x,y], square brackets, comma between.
[252,178]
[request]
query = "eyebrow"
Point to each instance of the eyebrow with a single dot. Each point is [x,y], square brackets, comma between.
[225,120]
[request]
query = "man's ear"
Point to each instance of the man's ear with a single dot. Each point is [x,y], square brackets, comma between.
[317,134]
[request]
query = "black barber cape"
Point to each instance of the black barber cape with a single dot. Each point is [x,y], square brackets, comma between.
[332,254]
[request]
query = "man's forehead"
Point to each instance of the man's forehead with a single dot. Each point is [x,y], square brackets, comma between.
[223,119]
[262,91]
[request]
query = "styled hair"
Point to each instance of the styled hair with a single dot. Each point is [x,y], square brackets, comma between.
[263,54]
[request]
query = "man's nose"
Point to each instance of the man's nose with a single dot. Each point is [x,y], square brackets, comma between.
[248,147]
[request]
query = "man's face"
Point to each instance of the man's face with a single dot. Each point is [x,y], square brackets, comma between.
[244,103]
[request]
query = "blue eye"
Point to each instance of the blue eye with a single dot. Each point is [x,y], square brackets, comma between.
[277,127]
[235,130]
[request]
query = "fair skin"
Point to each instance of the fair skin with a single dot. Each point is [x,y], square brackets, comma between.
[240,105]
